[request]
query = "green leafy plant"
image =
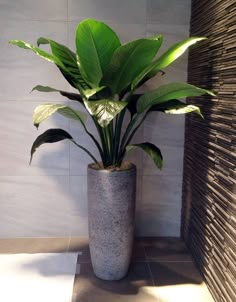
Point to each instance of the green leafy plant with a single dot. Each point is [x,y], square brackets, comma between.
[106,75]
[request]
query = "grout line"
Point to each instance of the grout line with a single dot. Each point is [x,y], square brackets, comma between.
[43,237]
[143,130]
[68,245]
[146,19]
[41,20]
[148,265]
[67,17]
[69,124]
[170,261]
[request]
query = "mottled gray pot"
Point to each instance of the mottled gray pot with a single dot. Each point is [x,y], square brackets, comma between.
[111,203]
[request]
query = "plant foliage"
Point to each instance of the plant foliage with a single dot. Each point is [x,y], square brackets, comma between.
[106,75]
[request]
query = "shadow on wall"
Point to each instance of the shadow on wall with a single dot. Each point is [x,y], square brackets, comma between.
[198,158]
[206,203]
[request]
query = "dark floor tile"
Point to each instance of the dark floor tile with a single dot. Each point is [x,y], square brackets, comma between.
[165,249]
[175,273]
[88,288]
[138,252]
[34,245]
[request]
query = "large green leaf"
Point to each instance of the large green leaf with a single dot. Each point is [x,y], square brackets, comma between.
[66,56]
[42,112]
[69,59]
[69,95]
[47,56]
[65,60]
[176,107]
[153,151]
[69,70]
[53,136]
[49,136]
[128,61]
[169,92]
[166,59]
[95,45]
[132,104]
[104,110]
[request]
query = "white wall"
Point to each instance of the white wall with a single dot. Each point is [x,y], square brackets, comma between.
[49,198]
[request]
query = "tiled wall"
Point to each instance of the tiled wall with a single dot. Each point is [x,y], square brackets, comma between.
[49,198]
[209,182]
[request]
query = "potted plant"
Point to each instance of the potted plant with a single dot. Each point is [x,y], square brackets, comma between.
[106,76]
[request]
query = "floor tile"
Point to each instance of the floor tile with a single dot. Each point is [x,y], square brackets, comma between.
[89,288]
[165,249]
[166,277]
[34,245]
[178,282]
[174,273]
[138,252]
[141,296]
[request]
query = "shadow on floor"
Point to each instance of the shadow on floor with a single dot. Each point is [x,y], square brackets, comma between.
[151,268]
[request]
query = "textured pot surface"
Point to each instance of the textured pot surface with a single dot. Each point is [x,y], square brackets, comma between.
[111,203]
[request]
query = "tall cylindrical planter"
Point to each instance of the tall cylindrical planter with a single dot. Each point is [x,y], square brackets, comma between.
[111,205]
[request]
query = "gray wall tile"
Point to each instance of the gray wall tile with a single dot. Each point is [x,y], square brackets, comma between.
[28,31]
[17,136]
[18,82]
[171,12]
[156,190]
[164,128]
[130,11]
[33,206]
[77,224]
[22,68]
[49,198]
[159,212]
[33,10]
[158,221]
[172,162]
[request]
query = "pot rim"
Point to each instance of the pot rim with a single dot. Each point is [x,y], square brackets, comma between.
[130,168]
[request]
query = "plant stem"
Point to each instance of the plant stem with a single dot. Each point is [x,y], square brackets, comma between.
[111,136]
[136,128]
[127,131]
[95,141]
[115,141]
[85,150]
[118,130]
[122,151]
[108,144]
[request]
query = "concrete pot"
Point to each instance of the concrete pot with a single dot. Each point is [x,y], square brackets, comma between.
[111,205]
